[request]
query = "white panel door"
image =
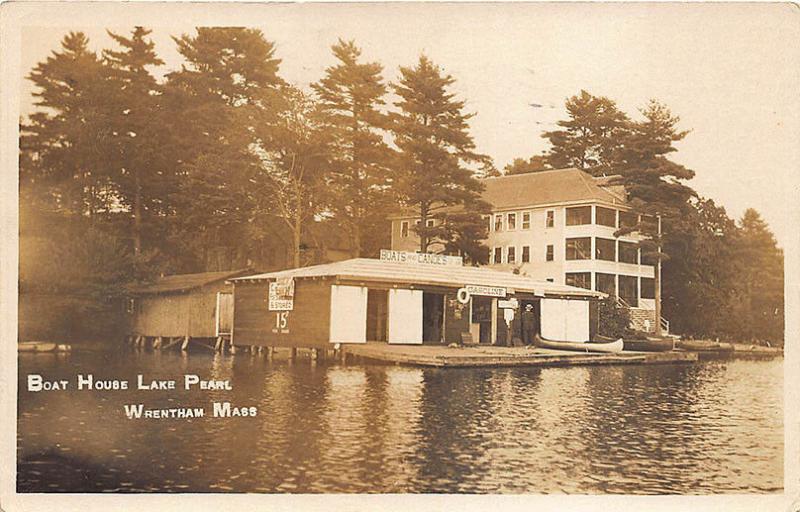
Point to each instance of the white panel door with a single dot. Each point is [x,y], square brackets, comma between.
[553,319]
[577,328]
[405,316]
[348,314]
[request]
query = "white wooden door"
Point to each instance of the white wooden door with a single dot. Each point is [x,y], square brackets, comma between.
[553,323]
[348,314]
[405,316]
[577,328]
[224,313]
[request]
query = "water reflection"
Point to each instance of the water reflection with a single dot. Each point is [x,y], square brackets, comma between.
[714,427]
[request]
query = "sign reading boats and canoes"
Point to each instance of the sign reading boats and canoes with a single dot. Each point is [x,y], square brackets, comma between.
[486,291]
[415,258]
[281,294]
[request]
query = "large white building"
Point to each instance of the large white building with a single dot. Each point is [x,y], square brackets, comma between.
[559,226]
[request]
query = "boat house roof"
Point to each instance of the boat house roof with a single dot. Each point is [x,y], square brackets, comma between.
[183,282]
[368,269]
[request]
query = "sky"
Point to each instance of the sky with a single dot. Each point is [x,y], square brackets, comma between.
[730,71]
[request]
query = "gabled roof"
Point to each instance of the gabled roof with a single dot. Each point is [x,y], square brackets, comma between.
[184,282]
[425,274]
[545,188]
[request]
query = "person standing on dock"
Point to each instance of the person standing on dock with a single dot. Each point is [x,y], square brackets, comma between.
[528,325]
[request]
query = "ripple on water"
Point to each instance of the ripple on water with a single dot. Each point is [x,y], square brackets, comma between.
[714,427]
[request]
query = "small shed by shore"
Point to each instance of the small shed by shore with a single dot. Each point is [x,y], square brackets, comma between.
[401,299]
[183,306]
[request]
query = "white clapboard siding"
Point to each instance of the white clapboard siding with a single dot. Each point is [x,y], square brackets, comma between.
[565,320]
[348,314]
[405,316]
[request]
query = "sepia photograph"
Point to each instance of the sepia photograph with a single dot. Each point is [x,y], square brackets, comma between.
[422,248]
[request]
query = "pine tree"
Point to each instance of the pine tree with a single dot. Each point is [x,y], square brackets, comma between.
[535,163]
[65,143]
[351,101]
[761,301]
[142,175]
[431,131]
[590,137]
[653,185]
[213,105]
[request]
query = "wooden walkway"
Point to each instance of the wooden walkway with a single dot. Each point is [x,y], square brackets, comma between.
[490,356]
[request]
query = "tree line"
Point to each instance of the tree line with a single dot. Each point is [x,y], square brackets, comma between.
[721,278]
[129,170]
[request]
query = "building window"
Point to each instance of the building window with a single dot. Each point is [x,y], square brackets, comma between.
[511,221]
[511,255]
[488,219]
[579,215]
[579,248]
[606,216]
[550,280]
[551,219]
[549,255]
[490,258]
[648,288]
[628,252]
[649,224]
[526,254]
[628,290]
[403,229]
[649,258]
[579,279]
[605,249]
[498,222]
[498,255]
[526,220]
[606,283]
[628,220]
[430,223]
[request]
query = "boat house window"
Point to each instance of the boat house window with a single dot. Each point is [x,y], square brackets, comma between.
[628,290]
[579,248]
[512,255]
[606,217]
[403,229]
[526,253]
[550,221]
[648,288]
[628,252]
[526,220]
[605,249]
[579,215]
[511,221]
[606,283]
[579,279]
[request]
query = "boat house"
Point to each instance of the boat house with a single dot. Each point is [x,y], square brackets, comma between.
[402,298]
[182,306]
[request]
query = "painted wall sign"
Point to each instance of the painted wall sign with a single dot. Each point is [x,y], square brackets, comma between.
[281,294]
[415,258]
[486,291]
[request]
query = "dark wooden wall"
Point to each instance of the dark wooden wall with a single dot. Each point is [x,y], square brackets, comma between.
[191,313]
[307,325]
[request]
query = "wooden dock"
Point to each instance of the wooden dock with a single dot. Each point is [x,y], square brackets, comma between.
[491,356]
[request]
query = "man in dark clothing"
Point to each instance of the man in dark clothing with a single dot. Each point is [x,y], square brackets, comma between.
[528,325]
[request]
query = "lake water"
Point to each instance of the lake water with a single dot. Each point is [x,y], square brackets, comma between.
[711,427]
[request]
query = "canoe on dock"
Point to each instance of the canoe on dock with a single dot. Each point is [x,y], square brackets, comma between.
[611,347]
[41,346]
[649,345]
